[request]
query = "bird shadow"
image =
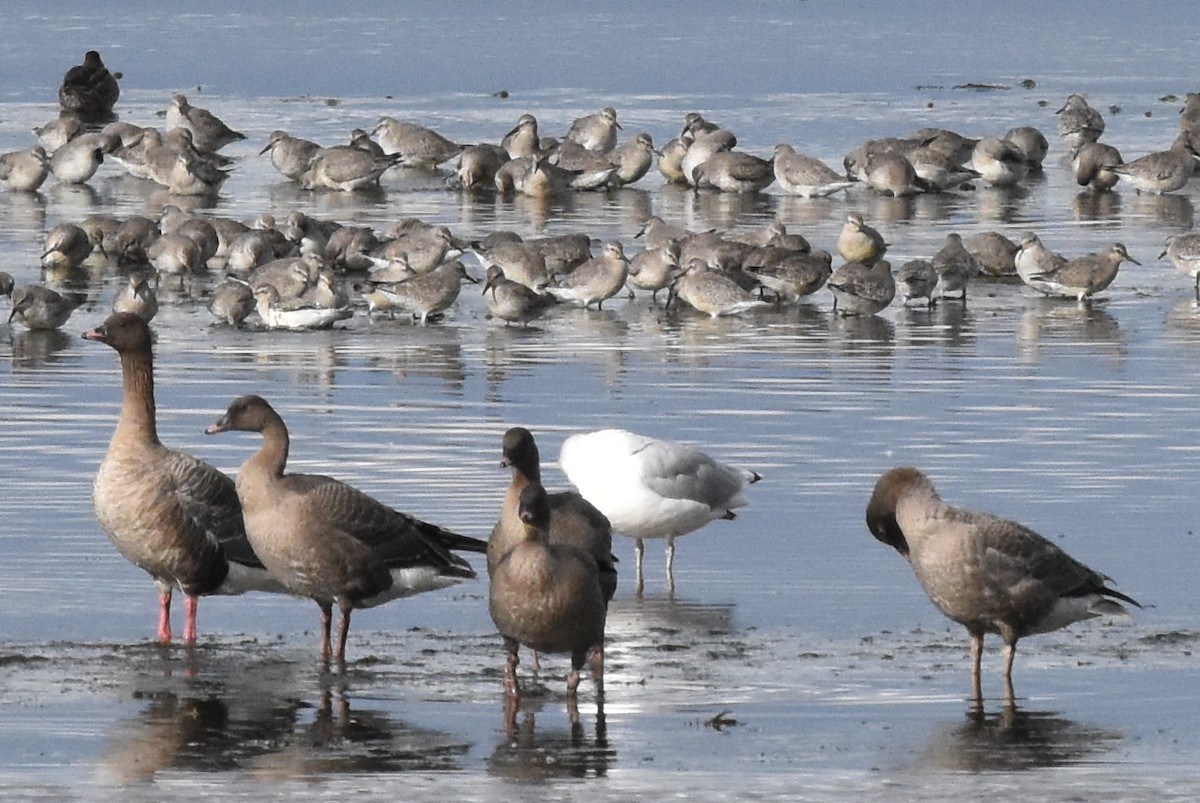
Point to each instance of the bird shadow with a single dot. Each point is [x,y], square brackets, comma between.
[1013,739]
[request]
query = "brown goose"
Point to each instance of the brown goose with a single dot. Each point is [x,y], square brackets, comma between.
[989,574]
[89,91]
[573,519]
[547,596]
[328,541]
[167,512]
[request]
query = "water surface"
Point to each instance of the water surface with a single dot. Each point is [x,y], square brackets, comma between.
[798,657]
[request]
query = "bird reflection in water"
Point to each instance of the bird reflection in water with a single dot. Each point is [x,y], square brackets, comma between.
[949,324]
[1169,209]
[269,737]
[529,756]
[1012,740]
[1047,321]
[440,358]
[334,739]
[1094,206]
[34,348]
[192,733]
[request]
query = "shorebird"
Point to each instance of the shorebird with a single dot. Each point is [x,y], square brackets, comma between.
[1184,252]
[1160,171]
[999,162]
[733,171]
[596,280]
[1094,165]
[24,171]
[858,242]
[209,132]
[596,132]
[711,291]
[805,176]
[345,168]
[511,301]
[916,279]
[414,145]
[860,289]
[290,155]
[423,295]
[1078,123]
[1084,276]
[955,266]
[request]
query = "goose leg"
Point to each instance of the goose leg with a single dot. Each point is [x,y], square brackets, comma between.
[577,659]
[343,632]
[1010,652]
[510,667]
[164,615]
[326,621]
[190,606]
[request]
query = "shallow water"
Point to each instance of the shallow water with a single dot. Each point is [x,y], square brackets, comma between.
[797,658]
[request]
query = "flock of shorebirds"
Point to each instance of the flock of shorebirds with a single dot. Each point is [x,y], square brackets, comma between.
[302,272]
[549,558]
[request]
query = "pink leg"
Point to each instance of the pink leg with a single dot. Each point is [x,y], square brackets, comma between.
[511,687]
[326,621]
[343,631]
[976,673]
[164,616]
[190,604]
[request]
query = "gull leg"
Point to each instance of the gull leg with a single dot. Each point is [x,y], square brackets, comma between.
[976,660]
[639,549]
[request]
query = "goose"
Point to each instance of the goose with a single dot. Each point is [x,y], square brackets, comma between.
[89,91]
[547,596]
[328,541]
[573,519]
[168,513]
[989,574]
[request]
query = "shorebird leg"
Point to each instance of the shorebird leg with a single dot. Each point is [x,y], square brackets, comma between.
[164,615]
[510,667]
[190,605]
